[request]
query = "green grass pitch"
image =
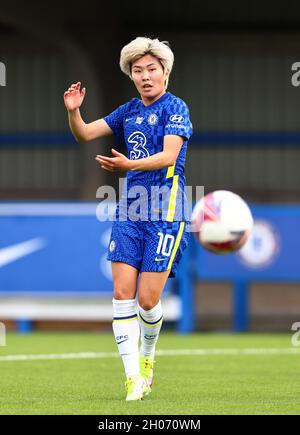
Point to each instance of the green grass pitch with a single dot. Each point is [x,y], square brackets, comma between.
[214,382]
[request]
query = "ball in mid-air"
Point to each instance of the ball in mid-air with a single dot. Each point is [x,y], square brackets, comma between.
[222,222]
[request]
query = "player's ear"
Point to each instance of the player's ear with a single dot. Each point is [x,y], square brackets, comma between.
[130,72]
[166,79]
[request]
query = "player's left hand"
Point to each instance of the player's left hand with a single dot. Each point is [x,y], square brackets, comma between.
[118,163]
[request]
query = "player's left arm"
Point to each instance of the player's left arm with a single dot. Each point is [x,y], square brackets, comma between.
[163,159]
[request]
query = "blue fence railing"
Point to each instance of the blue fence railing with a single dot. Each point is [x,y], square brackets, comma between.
[213,138]
[42,138]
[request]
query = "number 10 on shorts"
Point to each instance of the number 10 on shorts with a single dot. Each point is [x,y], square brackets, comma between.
[165,244]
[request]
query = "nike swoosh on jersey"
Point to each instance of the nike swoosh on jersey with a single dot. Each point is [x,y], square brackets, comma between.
[160,259]
[13,253]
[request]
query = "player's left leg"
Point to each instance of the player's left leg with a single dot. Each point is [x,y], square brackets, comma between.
[164,244]
[151,285]
[125,253]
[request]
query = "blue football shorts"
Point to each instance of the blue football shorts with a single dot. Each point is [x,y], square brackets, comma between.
[149,246]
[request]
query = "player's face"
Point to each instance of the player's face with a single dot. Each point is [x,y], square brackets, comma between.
[149,78]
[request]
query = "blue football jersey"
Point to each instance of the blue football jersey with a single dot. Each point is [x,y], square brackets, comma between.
[156,194]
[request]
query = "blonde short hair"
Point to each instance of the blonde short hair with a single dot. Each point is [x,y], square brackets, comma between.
[141,46]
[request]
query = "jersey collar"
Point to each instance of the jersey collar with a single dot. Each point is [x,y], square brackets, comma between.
[165,95]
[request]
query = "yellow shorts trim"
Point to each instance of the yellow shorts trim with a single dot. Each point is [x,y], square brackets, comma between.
[177,241]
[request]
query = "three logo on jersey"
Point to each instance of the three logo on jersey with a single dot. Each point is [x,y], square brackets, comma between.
[139,150]
[138,139]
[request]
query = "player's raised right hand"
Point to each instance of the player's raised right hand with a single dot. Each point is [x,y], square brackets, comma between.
[73,97]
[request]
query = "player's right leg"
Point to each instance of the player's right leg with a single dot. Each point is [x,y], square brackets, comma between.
[126,327]
[124,251]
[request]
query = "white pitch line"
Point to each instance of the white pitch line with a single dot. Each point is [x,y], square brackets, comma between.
[54,356]
[227,351]
[171,352]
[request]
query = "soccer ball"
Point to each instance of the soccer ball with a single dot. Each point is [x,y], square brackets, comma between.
[222,222]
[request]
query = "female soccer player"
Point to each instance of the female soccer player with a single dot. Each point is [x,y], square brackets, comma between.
[149,234]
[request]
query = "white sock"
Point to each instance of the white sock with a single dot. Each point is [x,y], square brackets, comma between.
[150,324]
[127,331]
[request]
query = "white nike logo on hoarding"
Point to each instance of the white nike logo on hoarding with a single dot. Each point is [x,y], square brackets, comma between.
[14,252]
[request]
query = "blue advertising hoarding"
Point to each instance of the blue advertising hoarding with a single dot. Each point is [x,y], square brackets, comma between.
[60,248]
[53,247]
[271,253]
